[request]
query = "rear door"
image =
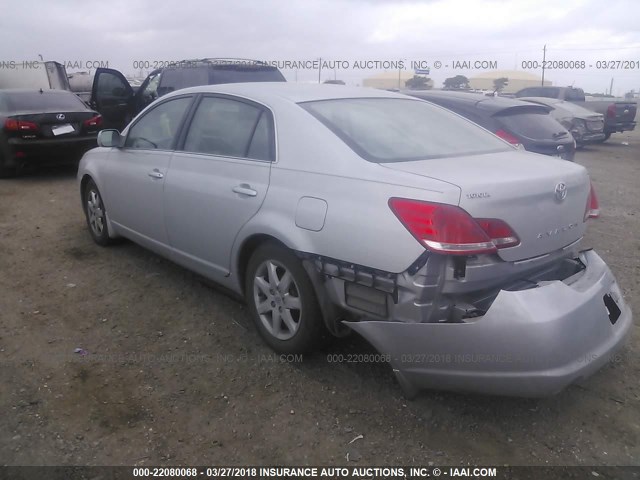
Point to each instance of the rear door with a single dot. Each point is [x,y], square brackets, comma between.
[113,97]
[218,180]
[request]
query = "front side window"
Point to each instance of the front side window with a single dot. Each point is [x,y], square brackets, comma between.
[394,130]
[111,86]
[158,128]
[230,128]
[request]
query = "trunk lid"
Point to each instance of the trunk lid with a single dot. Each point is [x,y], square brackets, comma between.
[523,189]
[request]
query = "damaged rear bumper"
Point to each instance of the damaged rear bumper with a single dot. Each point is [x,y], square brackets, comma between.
[530,343]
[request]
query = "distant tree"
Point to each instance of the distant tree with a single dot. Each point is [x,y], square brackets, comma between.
[418,82]
[500,83]
[456,83]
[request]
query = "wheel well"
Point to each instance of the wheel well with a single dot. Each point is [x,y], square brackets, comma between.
[83,186]
[250,245]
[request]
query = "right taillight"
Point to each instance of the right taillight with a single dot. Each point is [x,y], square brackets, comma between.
[507,137]
[593,207]
[450,229]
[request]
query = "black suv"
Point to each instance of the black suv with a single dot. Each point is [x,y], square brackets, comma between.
[115,99]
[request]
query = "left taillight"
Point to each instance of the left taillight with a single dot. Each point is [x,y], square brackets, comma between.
[93,122]
[13,125]
[592,209]
[451,230]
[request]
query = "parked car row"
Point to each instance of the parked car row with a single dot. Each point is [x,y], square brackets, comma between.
[335,209]
[44,126]
[542,124]
[619,114]
[516,122]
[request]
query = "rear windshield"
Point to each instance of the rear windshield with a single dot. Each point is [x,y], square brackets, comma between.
[395,130]
[533,125]
[40,102]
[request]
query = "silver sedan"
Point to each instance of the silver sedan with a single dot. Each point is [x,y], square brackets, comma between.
[333,209]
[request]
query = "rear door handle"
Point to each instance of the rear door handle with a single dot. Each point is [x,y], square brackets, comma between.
[245,189]
[155,173]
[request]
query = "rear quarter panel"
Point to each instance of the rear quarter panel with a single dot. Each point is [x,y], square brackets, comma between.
[359,227]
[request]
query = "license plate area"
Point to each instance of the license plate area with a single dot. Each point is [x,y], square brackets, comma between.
[62,129]
[612,308]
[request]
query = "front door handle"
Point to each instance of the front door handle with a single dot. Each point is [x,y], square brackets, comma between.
[245,189]
[155,173]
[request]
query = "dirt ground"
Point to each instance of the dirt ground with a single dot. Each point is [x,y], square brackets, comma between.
[175,374]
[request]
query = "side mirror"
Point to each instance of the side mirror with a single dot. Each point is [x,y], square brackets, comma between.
[109,138]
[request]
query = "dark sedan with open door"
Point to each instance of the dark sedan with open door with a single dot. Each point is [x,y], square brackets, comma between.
[44,126]
[517,122]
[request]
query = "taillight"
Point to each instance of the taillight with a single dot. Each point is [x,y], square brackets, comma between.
[507,137]
[593,207]
[611,111]
[93,122]
[450,229]
[13,125]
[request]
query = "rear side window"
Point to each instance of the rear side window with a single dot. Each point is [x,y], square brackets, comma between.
[239,74]
[230,128]
[177,78]
[394,130]
[39,102]
[158,128]
[574,95]
[533,125]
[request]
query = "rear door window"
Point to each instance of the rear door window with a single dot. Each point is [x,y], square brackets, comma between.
[230,128]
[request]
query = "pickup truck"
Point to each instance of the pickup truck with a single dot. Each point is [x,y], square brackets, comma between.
[619,115]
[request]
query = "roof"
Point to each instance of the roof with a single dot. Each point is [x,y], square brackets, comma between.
[293,92]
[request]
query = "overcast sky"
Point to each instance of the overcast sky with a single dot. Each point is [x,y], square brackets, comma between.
[122,32]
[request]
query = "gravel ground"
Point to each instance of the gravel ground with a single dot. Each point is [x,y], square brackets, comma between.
[175,374]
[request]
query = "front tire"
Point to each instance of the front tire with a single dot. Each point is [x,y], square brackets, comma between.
[282,301]
[96,214]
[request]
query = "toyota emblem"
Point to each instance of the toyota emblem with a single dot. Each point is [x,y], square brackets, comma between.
[561,191]
[60,116]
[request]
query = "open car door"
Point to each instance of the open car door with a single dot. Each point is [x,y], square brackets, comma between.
[113,97]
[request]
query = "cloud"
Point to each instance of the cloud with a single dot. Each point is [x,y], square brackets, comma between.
[122,32]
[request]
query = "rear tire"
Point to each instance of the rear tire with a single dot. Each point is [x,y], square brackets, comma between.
[96,214]
[282,301]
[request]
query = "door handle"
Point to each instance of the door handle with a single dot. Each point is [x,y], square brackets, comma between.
[155,173]
[245,189]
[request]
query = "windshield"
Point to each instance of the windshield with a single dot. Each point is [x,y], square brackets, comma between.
[394,130]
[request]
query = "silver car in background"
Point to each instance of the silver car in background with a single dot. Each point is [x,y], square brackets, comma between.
[332,209]
[586,126]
